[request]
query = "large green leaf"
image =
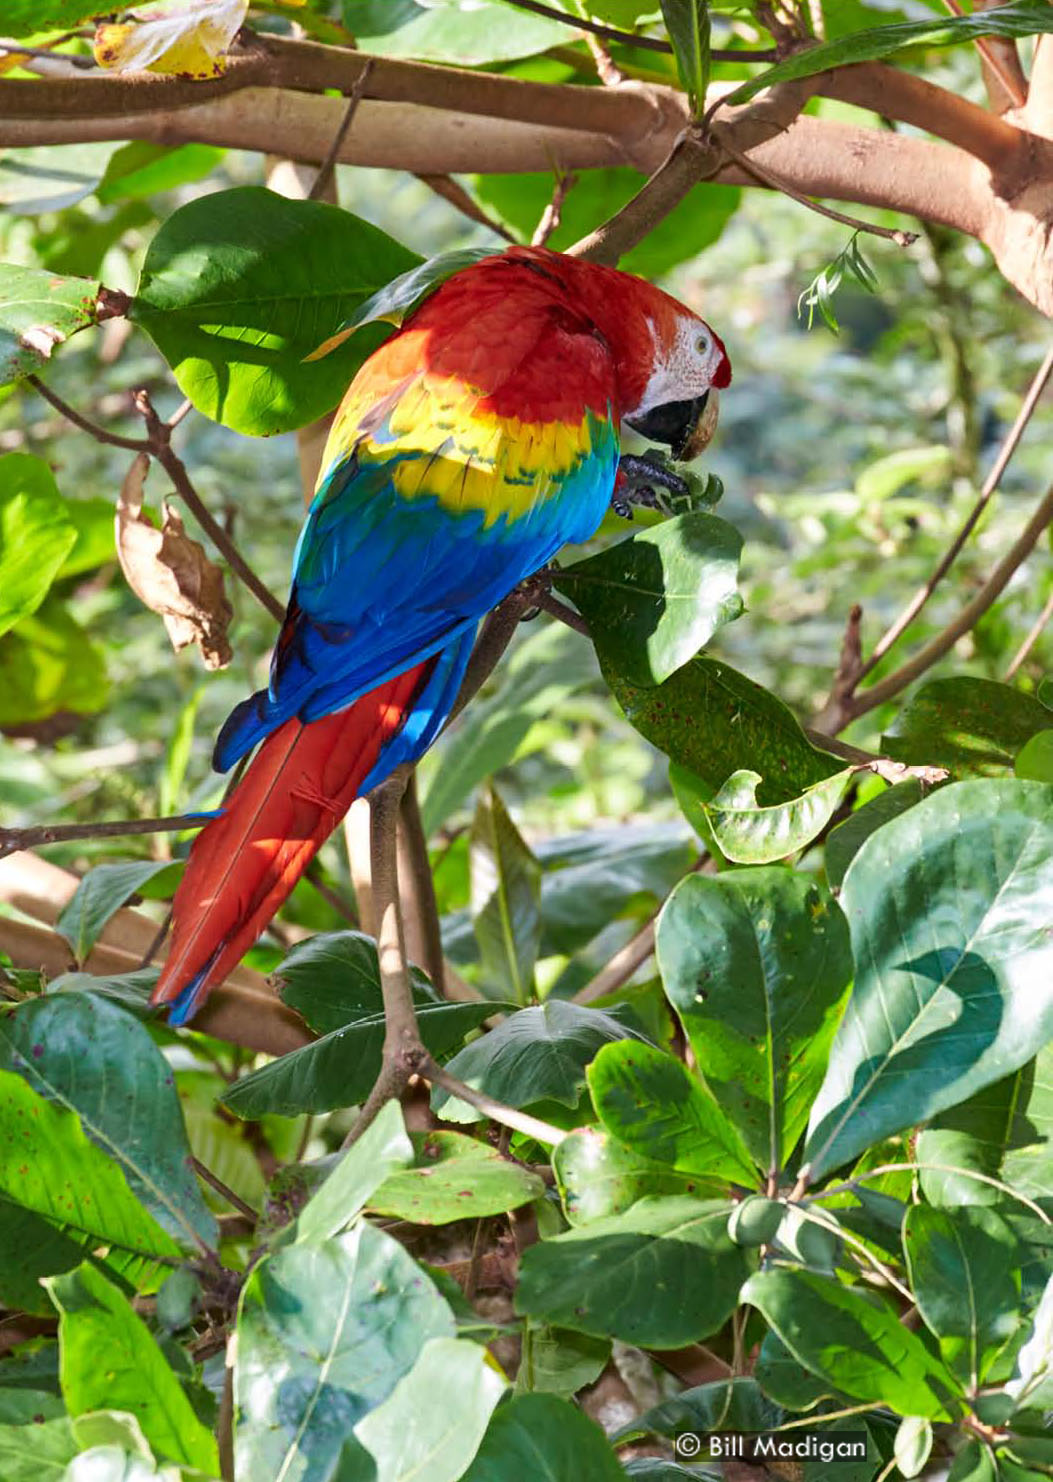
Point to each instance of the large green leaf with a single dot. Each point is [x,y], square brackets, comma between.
[333,979]
[856,1345]
[663,1274]
[1004,1132]
[432,1423]
[687,22]
[37,1453]
[38,312]
[378,1154]
[715,721]
[757,964]
[694,223]
[654,599]
[36,535]
[538,1054]
[30,1248]
[506,900]
[543,1439]
[966,1282]
[89,1056]
[844,842]
[949,907]
[100,893]
[970,725]
[468,32]
[1023,18]
[27,17]
[49,664]
[454,1177]
[325,1332]
[239,287]
[649,1100]
[750,834]
[110,1360]
[598,1176]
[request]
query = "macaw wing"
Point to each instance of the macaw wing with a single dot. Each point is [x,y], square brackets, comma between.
[431,508]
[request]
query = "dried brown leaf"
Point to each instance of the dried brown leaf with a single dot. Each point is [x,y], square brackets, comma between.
[170,573]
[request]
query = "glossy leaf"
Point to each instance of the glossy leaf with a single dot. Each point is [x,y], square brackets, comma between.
[844,842]
[947,906]
[559,1361]
[662,1275]
[857,1346]
[972,726]
[715,721]
[49,664]
[90,1057]
[325,1333]
[544,1439]
[966,1282]
[96,1319]
[757,964]
[453,1177]
[101,892]
[598,1176]
[433,1421]
[654,599]
[38,313]
[239,287]
[379,1153]
[466,32]
[1023,18]
[538,1054]
[333,979]
[505,899]
[1034,762]
[687,22]
[36,534]
[650,1101]
[749,834]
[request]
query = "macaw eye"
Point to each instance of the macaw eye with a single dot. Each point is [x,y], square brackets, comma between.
[702,344]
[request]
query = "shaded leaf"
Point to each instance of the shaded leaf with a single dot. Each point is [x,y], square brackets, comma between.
[653,600]
[453,1177]
[662,1275]
[970,725]
[505,899]
[757,963]
[47,177]
[598,1176]
[382,1149]
[333,979]
[170,573]
[467,32]
[784,1378]
[844,842]
[559,1361]
[544,1439]
[37,1453]
[687,22]
[36,534]
[100,893]
[749,834]
[49,665]
[948,906]
[723,1405]
[187,40]
[30,1248]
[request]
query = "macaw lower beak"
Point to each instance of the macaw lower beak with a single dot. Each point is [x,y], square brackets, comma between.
[687,426]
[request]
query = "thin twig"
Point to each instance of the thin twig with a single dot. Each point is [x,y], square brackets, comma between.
[13,49]
[1032,637]
[328,165]
[553,212]
[645,43]
[100,434]
[453,192]
[849,1186]
[990,484]
[849,668]
[966,619]
[621,966]
[340,905]
[497,1111]
[12,839]
[234,1200]
[890,234]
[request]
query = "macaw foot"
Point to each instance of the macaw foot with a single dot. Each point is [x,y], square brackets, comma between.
[637,482]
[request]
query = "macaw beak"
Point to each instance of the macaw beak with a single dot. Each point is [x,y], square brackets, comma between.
[687,426]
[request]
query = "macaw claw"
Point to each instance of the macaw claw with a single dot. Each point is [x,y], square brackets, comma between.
[635,484]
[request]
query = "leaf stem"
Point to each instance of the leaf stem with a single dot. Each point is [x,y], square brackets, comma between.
[849,1186]
[497,1111]
[216,1183]
[645,43]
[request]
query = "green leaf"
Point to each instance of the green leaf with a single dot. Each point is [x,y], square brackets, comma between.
[597,195]
[466,32]
[93,521]
[325,1332]
[974,1463]
[538,1054]
[888,475]
[112,1428]
[598,1176]
[966,1281]
[649,1101]
[177,756]
[142,169]
[85,1054]
[855,1345]
[47,1165]
[102,892]
[948,906]
[432,1423]
[109,1360]
[36,1453]
[784,1379]
[653,600]
[715,721]
[749,834]
[240,286]
[28,17]
[723,1405]
[50,178]
[38,312]
[687,22]
[506,899]
[382,1149]
[757,964]
[333,979]
[1024,18]
[28,1406]
[559,1361]
[453,1178]
[36,535]
[30,1248]
[844,842]
[1034,762]
[913,1444]
[972,726]
[48,664]
[1004,1132]
[544,1439]
[661,1275]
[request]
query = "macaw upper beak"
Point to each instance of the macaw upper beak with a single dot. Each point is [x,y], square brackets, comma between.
[687,426]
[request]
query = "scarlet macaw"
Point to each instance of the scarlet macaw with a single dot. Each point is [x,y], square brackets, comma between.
[468,449]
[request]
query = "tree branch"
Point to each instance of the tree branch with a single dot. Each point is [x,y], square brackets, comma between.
[417,890]
[100,434]
[497,1111]
[1033,635]
[13,839]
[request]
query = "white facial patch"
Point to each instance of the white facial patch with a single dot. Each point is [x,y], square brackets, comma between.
[682,370]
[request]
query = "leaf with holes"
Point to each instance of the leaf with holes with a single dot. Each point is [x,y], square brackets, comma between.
[38,313]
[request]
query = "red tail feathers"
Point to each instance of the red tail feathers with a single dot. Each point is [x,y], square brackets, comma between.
[245,862]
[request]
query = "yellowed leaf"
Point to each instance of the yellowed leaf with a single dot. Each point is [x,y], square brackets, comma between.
[170,573]
[187,39]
